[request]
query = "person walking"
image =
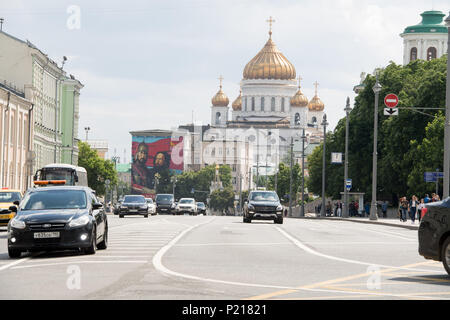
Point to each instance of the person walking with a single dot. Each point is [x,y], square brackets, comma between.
[367,208]
[419,208]
[427,198]
[404,208]
[413,204]
[339,209]
[384,207]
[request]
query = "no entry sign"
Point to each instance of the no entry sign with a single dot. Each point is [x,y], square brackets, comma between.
[391,100]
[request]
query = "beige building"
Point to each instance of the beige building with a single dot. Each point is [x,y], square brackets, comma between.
[16,139]
[101,146]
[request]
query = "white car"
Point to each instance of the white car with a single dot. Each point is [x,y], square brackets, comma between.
[187,205]
[151,206]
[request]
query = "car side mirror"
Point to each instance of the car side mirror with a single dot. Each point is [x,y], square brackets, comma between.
[97,206]
[17,202]
[75,178]
[13,209]
[281,200]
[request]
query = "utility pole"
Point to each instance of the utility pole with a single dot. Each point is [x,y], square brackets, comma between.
[373,209]
[302,214]
[324,123]
[347,121]
[240,193]
[290,176]
[257,159]
[446,191]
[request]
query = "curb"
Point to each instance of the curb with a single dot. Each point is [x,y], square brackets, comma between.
[410,227]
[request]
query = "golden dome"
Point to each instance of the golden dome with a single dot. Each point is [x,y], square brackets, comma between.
[269,63]
[220,99]
[316,104]
[299,99]
[237,104]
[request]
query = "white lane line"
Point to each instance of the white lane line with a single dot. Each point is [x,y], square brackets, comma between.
[12,264]
[313,252]
[78,262]
[231,244]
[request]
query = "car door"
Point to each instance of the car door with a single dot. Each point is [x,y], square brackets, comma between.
[99,216]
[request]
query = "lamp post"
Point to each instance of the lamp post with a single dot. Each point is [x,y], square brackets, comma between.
[290,176]
[347,120]
[87,129]
[174,183]
[302,214]
[446,191]
[324,124]
[373,209]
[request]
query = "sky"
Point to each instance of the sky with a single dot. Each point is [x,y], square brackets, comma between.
[155,64]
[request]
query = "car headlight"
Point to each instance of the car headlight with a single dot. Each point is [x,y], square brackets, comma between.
[81,221]
[280,208]
[17,224]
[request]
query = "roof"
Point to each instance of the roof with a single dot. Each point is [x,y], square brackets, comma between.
[432,22]
[50,188]
[65,165]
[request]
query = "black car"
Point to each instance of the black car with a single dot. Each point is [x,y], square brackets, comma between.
[263,205]
[434,233]
[165,203]
[201,208]
[133,205]
[58,218]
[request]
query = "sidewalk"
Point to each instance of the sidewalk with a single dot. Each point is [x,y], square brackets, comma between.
[392,222]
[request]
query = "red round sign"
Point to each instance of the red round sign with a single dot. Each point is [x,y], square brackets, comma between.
[391,100]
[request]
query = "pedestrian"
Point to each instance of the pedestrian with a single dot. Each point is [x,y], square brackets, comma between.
[339,209]
[427,198]
[356,208]
[404,205]
[384,207]
[413,204]
[328,209]
[352,208]
[419,208]
[367,208]
[436,198]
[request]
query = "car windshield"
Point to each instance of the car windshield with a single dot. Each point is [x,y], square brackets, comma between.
[9,196]
[55,199]
[134,199]
[58,174]
[186,201]
[200,204]
[264,196]
[164,197]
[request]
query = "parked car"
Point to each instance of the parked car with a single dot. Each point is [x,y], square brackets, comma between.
[7,199]
[133,205]
[187,205]
[55,218]
[434,232]
[201,208]
[263,205]
[151,206]
[165,203]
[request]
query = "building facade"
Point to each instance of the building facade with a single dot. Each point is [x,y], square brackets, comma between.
[16,139]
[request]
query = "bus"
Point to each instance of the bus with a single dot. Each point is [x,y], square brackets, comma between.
[73,175]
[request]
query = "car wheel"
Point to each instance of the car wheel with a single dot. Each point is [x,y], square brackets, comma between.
[120,215]
[446,255]
[279,220]
[93,247]
[145,215]
[104,244]
[14,253]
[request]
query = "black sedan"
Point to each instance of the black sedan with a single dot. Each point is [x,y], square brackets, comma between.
[263,205]
[58,218]
[434,233]
[201,208]
[132,205]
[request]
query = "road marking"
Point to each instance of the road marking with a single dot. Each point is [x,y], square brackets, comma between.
[12,264]
[78,262]
[231,244]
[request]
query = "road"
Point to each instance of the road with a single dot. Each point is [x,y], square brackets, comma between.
[208,257]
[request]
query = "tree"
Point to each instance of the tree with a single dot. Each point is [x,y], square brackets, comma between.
[283,180]
[222,199]
[98,170]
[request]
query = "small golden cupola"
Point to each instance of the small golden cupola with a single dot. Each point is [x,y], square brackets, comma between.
[220,99]
[299,99]
[269,63]
[237,104]
[316,104]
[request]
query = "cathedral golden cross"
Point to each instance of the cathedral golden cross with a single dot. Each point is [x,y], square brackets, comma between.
[270,21]
[299,80]
[220,79]
[316,84]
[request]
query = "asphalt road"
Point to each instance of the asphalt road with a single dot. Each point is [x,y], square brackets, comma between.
[207,257]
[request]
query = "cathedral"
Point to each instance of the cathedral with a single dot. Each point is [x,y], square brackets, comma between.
[270,110]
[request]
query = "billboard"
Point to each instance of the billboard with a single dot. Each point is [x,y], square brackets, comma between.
[154,160]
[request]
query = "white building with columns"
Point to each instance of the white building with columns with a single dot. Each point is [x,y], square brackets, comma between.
[426,40]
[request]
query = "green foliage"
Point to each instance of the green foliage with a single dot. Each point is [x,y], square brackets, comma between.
[222,199]
[98,170]
[283,181]
[400,168]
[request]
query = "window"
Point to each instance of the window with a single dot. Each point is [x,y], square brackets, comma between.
[218,118]
[431,53]
[272,104]
[253,103]
[314,120]
[413,54]
[297,119]
[282,104]
[245,104]
[262,103]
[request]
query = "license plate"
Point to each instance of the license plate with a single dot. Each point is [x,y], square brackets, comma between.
[163,209]
[46,235]
[133,210]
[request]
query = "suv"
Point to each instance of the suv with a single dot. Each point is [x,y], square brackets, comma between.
[434,233]
[187,205]
[165,203]
[133,204]
[263,205]
[201,208]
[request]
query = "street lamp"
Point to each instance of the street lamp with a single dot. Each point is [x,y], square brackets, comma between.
[324,124]
[347,120]
[373,209]
[87,129]
[290,176]
[302,214]
[446,191]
